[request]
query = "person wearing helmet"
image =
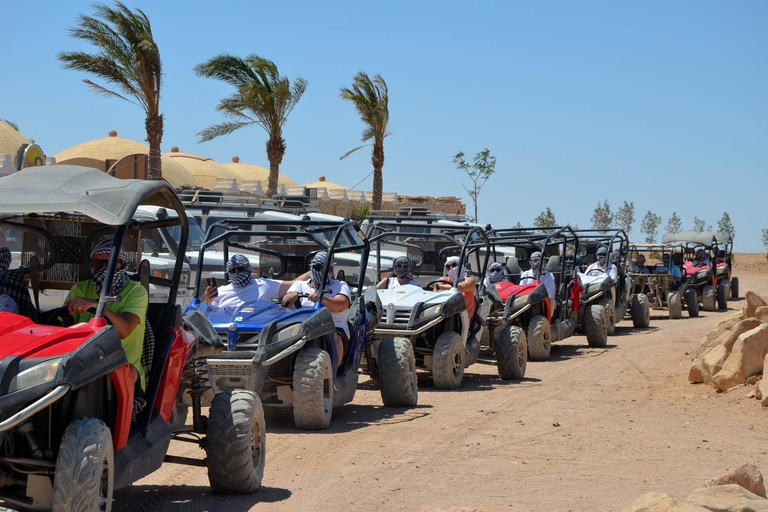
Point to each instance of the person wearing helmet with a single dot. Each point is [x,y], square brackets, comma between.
[337,299]
[701,259]
[243,287]
[602,265]
[464,283]
[400,276]
[538,272]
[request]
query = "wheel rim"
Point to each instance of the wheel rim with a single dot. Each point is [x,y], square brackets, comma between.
[327,405]
[104,485]
[522,353]
[256,444]
[547,341]
[458,366]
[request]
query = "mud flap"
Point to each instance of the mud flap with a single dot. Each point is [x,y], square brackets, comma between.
[471,352]
[344,388]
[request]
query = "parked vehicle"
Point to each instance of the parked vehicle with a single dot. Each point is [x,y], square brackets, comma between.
[437,325]
[657,285]
[70,433]
[298,365]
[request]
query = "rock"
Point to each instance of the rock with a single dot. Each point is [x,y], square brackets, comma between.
[747,358]
[752,380]
[761,390]
[660,502]
[753,301]
[738,329]
[711,361]
[746,475]
[761,313]
[728,498]
[724,326]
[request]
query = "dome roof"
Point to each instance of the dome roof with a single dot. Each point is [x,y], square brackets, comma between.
[94,153]
[175,173]
[10,141]
[250,172]
[204,170]
[321,183]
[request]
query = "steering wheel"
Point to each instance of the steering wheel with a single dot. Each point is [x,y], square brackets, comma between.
[428,287]
[59,317]
[597,270]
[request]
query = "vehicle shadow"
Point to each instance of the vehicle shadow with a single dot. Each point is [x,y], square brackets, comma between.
[474,382]
[628,330]
[141,498]
[571,351]
[348,418]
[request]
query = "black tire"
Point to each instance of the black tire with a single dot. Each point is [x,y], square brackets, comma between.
[641,311]
[675,306]
[511,353]
[313,389]
[539,338]
[236,442]
[734,287]
[708,298]
[371,364]
[84,479]
[692,302]
[722,295]
[397,373]
[448,361]
[596,326]
[610,307]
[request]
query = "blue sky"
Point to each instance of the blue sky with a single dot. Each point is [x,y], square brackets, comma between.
[661,103]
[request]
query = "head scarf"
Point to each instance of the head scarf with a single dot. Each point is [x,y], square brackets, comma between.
[665,258]
[454,272]
[495,272]
[401,261]
[316,267]
[701,254]
[602,255]
[536,267]
[5,262]
[100,274]
[240,263]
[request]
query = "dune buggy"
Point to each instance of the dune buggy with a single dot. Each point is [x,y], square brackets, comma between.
[712,292]
[435,325]
[297,362]
[69,432]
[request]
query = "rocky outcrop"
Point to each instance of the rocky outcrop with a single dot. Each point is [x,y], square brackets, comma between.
[761,390]
[660,502]
[711,360]
[746,358]
[728,498]
[746,475]
[753,301]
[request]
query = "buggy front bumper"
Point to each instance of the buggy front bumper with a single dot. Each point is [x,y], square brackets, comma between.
[35,407]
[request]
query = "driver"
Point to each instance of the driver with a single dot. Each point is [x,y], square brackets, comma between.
[400,276]
[127,314]
[243,287]
[7,304]
[602,265]
[638,266]
[701,260]
[536,273]
[495,274]
[465,284]
[675,274]
[337,300]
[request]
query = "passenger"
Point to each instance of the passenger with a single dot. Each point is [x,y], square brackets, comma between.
[721,257]
[127,315]
[602,265]
[537,272]
[465,284]
[701,259]
[7,304]
[638,266]
[400,276]
[337,300]
[495,274]
[243,287]
[675,274]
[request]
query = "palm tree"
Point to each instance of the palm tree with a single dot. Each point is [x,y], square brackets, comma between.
[129,59]
[263,98]
[371,101]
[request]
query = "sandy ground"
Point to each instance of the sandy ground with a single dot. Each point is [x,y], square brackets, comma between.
[629,423]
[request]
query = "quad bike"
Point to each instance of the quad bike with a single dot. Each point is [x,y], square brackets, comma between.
[711,283]
[71,431]
[657,285]
[296,357]
[523,321]
[430,329]
[618,298]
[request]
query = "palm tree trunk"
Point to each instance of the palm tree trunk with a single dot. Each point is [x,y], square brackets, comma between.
[275,152]
[154,126]
[378,182]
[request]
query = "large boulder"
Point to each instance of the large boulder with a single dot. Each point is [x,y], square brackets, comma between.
[753,301]
[761,313]
[746,358]
[728,498]
[711,362]
[660,502]
[746,475]
[724,326]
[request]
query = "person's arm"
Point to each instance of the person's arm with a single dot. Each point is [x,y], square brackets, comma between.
[442,284]
[124,323]
[336,304]
[285,286]
[467,285]
[383,284]
[292,294]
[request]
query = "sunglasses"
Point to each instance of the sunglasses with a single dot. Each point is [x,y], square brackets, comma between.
[99,263]
[237,270]
[451,265]
[318,266]
[403,265]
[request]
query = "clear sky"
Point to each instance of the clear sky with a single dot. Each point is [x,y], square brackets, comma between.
[657,102]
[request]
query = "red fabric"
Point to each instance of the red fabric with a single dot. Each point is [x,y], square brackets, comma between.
[505,289]
[576,290]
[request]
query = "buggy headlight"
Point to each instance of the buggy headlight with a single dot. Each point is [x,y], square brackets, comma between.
[38,374]
[287,333]
[430,311]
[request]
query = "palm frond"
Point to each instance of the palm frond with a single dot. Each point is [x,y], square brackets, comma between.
[345,155]
[106,92]
[11,124]
[225,128]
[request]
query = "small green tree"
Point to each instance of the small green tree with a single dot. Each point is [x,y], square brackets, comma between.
[765,238]
[517,226]
[483,166]
[674,224]
[699,224]
[649,226]
[625,216]
[724,225]
[545,219]
[602,218]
